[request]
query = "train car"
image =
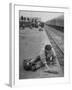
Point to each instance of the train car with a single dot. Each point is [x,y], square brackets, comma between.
[57,23]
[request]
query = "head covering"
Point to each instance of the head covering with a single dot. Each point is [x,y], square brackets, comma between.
[48,47]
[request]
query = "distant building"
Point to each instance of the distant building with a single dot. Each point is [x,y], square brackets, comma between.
[29,22]
[30,19]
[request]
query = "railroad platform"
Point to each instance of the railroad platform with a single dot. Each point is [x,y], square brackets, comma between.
[31,41]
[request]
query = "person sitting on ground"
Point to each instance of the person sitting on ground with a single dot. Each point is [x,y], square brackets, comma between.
[46,56]
[50,54]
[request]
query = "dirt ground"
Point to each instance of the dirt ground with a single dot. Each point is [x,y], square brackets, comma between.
[30,44]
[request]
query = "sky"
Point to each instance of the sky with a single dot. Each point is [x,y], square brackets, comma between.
[45,16]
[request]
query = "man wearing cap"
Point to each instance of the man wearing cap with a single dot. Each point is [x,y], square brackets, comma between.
[46,55]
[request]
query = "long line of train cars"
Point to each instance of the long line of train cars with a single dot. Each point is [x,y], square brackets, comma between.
[57,23]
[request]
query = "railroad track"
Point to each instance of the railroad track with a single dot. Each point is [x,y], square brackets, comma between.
[59,52]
